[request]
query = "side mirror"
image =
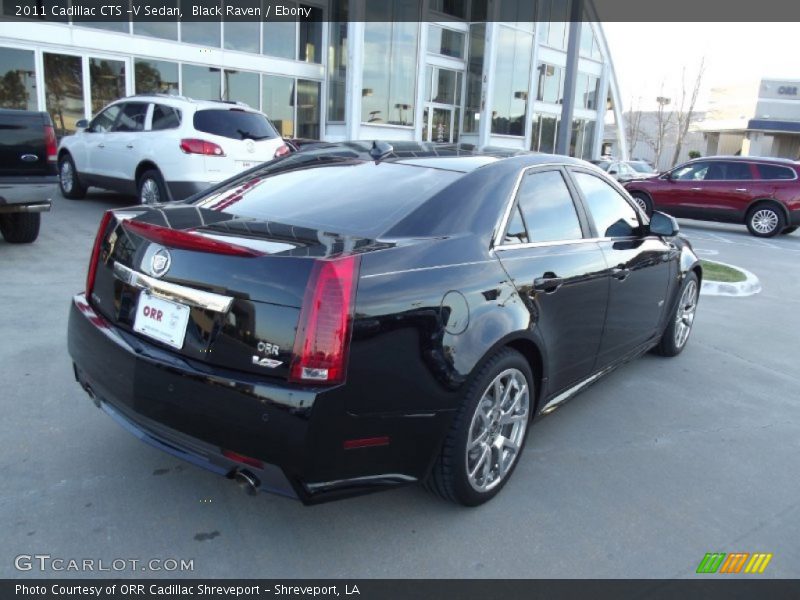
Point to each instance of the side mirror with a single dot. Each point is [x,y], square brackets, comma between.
[612,172]
[82,124]
[662,224]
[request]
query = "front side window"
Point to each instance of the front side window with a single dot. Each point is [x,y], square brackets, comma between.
[547,208]
[693,172]
[105,120]
[132,117]
[612,214]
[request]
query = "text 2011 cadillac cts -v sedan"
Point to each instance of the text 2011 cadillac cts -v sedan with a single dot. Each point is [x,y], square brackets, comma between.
[344,320]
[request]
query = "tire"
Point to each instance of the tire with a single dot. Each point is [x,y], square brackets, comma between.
[68,179]
[677,332]
[789,230]
[643,200]
[151,188]
[20,228]
[478,418]
[765,220]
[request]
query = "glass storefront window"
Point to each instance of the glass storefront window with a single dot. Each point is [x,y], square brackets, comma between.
[472,108]
[63,84]
[553,19]
[119,26]
[167,30]
[454,8]
[277,101]
[589,45]
[243,36]
[107,80]
[201,33]
[241,86]
[551,84]
[279,39]
[444,86]
[543,138]
[308,109]
[17,79]
[582,138]
[518,14]
[445,41]
[310,46]
[201,83]
[337,62]
[511,81]
[390,61]
[155,76]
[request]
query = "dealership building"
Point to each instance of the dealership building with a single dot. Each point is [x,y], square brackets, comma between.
[487,72]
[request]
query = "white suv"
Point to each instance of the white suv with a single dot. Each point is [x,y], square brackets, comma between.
[164,148]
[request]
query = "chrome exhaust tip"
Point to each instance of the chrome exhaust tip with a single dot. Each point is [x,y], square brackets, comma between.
[247,481]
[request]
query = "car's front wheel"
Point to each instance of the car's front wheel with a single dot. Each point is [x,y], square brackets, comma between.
[765,220]
[71,187]
[676,334]
[487,436]
[152,189]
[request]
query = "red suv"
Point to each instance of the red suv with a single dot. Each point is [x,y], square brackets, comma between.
[762,193]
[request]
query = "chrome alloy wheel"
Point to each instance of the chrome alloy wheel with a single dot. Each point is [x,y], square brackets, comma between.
[685,314]
[67,176]
[497,430]
[642,204]
[764,221]
[149,193]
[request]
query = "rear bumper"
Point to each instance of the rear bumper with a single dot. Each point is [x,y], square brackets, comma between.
[26,194]
[794,218]
[194,411]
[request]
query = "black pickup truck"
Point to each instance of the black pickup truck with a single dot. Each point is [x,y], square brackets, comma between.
[27,172]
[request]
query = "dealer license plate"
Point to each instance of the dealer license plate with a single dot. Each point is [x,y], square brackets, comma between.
[162,320]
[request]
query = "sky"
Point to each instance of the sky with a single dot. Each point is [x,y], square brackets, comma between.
[645,55]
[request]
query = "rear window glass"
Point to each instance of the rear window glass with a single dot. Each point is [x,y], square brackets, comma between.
[234,124]
[346,197]
[774,172]
[23,130]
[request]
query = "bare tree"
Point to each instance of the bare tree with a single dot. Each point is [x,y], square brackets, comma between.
[634,124]
[664,123]
[684,113]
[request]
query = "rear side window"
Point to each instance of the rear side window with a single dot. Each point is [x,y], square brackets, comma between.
[774,172]
[735,171]
[132,117]
[235,124]
[347,197]
[547,207]
[613,215]
[165,117]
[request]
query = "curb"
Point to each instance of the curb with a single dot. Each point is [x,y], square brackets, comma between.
[750,286]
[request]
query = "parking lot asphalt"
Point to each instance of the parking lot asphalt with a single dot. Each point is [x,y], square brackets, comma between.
[639,476]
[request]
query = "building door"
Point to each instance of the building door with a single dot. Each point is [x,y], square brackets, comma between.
[441,118]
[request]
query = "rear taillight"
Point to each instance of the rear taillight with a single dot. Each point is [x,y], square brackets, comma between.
[282,150]
[323,331]
[98,244]
[186,239]
[50,142]
[195,146]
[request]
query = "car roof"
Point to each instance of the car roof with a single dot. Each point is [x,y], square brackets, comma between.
[175,100]
[462,158]
[763,159]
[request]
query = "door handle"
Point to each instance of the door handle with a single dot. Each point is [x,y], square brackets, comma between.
[741,189]
[620,273]
[101,145]
[548,284]
[695,189]
[129,146]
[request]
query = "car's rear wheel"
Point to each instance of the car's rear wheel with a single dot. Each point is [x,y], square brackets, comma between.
[68,181]
[487,436]
[676,334]
[643,200]
[765,220]
[20,228]
[789,230]
[152,189]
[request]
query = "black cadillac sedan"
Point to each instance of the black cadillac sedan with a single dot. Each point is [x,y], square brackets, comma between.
[353,318]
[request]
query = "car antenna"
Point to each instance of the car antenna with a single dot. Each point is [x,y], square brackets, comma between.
[380,150]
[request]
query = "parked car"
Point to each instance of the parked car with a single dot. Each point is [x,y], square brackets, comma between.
[762,193]
[619,169]
[404,323]
[162,147]
[27,172]
[644,169]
